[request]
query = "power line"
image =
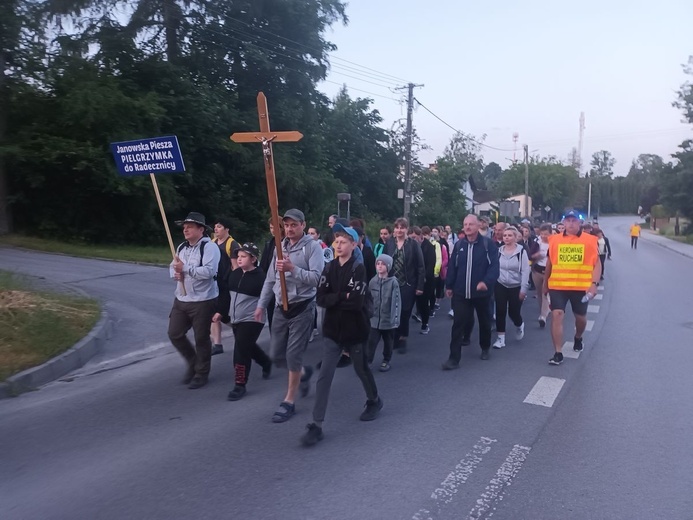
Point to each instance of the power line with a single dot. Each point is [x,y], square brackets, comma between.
[458,131]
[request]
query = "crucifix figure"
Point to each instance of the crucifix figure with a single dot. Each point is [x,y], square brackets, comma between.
[266,137]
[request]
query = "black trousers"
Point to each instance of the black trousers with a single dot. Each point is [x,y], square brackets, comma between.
[463,323]
[246,349]
[602,260]
[507,302]
[388,336]
[408,294]
[423,302]
[633,242]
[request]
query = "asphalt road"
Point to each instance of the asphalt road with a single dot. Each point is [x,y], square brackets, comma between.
[610,438]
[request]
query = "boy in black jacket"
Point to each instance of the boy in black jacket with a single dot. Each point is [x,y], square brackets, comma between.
[341,292]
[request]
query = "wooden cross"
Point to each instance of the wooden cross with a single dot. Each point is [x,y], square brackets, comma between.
[266,137]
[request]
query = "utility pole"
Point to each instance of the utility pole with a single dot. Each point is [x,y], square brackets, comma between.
[407,153]
[528,212]
[579,150]
[589,196]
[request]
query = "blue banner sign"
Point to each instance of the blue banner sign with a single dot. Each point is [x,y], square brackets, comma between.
[145,156]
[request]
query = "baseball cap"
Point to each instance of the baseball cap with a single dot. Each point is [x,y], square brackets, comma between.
[294,214]
[571,213]
[249,248]
[337,228]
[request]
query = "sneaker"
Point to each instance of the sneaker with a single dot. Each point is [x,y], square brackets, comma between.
[384,366]
[450,365]
[451,313]
[557,359]
[425,329]
[217,349]
[500,342]
[197,382]
[436,306]
[312,436]
[372,410]
[577,344]
[432,314]
[237,393]
[285,412]
[304,385]
[267,370]
[416,317]
[466,342]
[520,332]
[484,354]
[542,322]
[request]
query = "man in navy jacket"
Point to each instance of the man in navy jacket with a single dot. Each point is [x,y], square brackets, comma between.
[472,272]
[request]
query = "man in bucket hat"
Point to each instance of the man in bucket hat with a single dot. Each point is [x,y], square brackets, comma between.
[195,266]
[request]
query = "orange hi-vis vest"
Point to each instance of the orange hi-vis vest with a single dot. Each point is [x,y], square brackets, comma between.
[573,258]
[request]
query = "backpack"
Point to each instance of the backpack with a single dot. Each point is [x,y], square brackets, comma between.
[202,253]
[368,307]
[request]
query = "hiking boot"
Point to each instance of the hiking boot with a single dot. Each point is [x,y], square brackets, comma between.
[484,354]
[557,359]
[450,365]
[577,344]
[520,333]
[197,382]
[500,342]
[237,393]
[217,349]
[425,329]
[312,436]
[304,385]
[384,366]
[372,410]
[542,322]
[267,370]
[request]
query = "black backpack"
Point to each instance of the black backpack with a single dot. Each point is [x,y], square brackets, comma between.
[220,268]
[368,304]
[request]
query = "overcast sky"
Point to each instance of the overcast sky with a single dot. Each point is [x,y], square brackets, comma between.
[496,67]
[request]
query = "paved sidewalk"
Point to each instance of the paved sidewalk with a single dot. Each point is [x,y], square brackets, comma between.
[679,247]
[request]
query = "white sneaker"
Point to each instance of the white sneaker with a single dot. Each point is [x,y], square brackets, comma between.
[520,332]
[451,313]
[500,342]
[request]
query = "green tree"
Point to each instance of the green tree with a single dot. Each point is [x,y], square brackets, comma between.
[602,164]
[677,183]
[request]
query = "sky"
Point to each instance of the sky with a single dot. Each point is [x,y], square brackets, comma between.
[497,67]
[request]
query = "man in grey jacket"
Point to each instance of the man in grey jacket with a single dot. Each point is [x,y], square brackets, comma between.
[302,266]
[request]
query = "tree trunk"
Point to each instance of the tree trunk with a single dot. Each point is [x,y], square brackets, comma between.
[5,213]
[171,23]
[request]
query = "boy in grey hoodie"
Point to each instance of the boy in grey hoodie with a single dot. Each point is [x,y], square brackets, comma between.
[387,303]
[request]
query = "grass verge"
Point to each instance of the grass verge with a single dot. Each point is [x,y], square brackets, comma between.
[36,326]
[140,254]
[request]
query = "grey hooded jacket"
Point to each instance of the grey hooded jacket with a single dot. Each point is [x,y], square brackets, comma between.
[387,302]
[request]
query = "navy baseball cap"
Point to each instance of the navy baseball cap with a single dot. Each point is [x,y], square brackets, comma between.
[571,213]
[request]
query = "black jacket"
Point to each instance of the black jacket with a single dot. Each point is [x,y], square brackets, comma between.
[368,262]
[413,261]
[341,292]
[428,251]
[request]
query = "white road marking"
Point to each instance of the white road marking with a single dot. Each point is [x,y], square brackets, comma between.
[598,296]
[449,487]
[593,308]
[493,494]
[546,390]
[568,350]
[600,288]
[590,324]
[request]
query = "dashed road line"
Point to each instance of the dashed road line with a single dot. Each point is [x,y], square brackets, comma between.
[600,288]
[545,391]
[487,503]
[598,296]
[568,350]
[590,324]
[451,484]
[593,308]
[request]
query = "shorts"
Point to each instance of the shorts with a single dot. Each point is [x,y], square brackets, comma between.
[290,337]
[560,299]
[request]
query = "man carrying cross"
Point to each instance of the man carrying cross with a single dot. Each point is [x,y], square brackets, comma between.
[302,264]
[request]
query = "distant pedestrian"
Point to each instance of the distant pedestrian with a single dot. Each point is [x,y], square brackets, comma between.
[342,292]
[634,235]
[195,267]
[387,305]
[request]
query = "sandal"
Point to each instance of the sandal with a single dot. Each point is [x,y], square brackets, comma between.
[284,412]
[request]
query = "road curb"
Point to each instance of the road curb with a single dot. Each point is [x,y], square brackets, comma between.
[666,243]
[72,359]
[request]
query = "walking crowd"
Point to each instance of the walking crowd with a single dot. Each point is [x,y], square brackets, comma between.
[352,294]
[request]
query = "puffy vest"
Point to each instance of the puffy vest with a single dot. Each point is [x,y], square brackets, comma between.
[573,258]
